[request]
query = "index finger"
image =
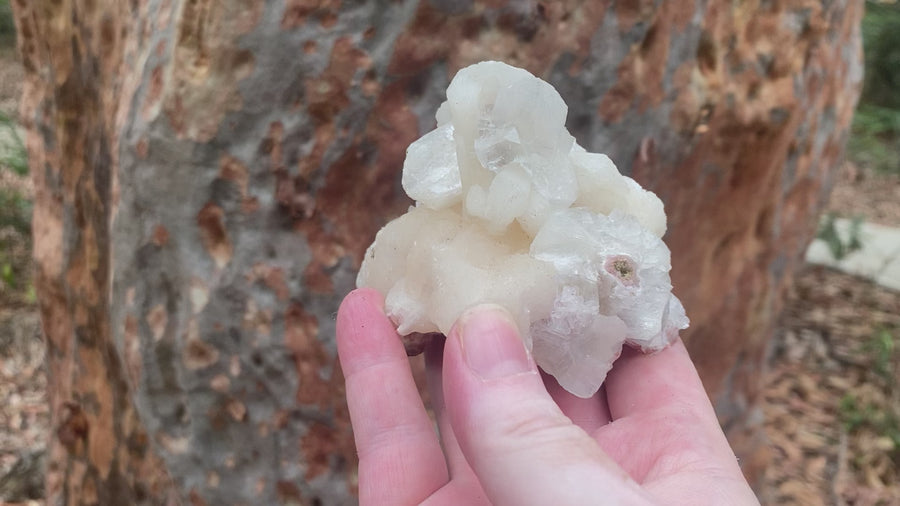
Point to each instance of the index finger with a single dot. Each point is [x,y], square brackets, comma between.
[400,458]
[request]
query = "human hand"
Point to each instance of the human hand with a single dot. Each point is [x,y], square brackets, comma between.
[510,436]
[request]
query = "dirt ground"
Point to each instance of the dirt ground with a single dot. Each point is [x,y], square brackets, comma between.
[24,416]
[831,400]
[832,396]
[873,197]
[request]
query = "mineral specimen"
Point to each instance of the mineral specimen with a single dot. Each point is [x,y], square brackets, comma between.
[510,210]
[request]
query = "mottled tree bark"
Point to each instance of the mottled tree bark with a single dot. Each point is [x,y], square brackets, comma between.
[209,174]
[99,452]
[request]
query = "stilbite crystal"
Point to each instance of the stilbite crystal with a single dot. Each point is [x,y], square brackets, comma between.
[510,210]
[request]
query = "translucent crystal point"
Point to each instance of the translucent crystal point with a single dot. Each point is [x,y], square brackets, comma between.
[431,170]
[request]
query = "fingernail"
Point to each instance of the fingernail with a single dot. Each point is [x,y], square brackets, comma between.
[491,344]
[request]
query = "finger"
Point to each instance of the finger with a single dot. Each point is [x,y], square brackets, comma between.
[662,389]
[589,414]
[672,457]
[456,493]
[400,458]
[456,461]
[640,382]
[519,443]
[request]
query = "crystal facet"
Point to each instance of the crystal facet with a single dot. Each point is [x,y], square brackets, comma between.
[510,210]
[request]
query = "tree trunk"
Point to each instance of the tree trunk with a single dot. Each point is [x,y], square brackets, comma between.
[209,174]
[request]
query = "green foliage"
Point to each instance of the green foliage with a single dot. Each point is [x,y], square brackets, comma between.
[7,275]
[875,139]
[853,414]
[13,155]
[882,416]
[883,421]
[15,210]
[882,349]
[838,246]
[7,26]
[881,41]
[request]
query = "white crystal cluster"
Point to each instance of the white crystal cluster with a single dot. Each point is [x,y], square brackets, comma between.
[510,210]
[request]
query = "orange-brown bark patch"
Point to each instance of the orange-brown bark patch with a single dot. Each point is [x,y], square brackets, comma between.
[288,493]
[160,236]
[157,319]
[654,52]
[641,75]
[425,40]
[154,93]
[195,499]
[84,266]
[220,383]
[272,146]
[318,445]
[142,148]
[630,13]
[272,277]
[101,447]
[529,39]
[73,431]
[619,99]
[208,64]
[231,169]
[296,12]
[300,337]
[355,199]
[214,235]
[316,279]
[237,410]
[326,95]
[257,321]
[199,355]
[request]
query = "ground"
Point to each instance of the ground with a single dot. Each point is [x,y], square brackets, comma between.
[831,397]
[831,392]
[875,197]
[23,408]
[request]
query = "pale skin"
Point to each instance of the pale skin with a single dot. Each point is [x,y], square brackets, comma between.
[508,435]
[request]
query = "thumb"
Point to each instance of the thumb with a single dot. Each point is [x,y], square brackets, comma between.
[523,449]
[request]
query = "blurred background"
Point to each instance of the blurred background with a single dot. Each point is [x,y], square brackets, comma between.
[831,395]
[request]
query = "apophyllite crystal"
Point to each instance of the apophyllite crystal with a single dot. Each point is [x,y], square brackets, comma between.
[510,210]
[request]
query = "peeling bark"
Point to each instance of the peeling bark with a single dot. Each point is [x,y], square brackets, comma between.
[209,174]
